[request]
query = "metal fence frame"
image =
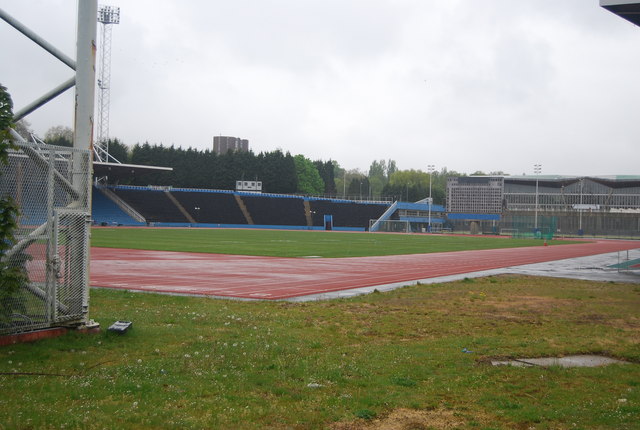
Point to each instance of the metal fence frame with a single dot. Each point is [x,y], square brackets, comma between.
[53,235]
[51,188]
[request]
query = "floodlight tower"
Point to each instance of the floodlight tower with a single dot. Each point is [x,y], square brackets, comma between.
[107,15]
[430,168]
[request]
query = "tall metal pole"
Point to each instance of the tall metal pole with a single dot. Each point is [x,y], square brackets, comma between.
[83,127]
[430,168]
[85,74]
[107,15]
[537,168]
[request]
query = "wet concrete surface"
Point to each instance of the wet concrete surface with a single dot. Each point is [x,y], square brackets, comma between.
[568,361]
[591,268]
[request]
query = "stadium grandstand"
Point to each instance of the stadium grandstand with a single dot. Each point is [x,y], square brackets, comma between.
[547,205]
[123,205]
[182,207]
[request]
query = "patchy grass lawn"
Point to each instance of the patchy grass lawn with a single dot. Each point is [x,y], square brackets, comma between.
[383,361]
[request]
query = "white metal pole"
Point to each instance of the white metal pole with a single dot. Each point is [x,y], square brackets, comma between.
[430,168]
[83,124]
[85,74]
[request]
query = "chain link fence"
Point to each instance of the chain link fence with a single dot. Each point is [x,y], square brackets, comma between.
[51,187]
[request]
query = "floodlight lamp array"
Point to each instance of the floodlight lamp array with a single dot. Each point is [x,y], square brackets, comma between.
[109,15]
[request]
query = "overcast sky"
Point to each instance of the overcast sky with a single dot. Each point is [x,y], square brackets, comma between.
[464,84]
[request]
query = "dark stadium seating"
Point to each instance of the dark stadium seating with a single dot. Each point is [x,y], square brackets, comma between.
[276,210]
[214,207]
[222,208]
[154,205]
[346,214]
[105,212]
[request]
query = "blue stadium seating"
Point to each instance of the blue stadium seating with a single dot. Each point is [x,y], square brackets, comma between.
[210,207]
[220,208]
[153,205]
[105,212]
[275,210]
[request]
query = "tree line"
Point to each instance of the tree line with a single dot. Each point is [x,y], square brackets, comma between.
[279,172]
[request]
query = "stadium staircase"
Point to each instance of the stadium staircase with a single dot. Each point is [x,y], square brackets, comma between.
[122,204]
[175,201]
[385,216]
[307,213]
[244,210]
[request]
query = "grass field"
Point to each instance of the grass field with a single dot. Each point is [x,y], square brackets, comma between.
[382,361]
[291,243]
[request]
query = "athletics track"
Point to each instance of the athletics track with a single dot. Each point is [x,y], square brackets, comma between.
[273,278]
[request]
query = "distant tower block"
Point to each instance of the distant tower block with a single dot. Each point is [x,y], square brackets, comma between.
[107,15]
[224,144]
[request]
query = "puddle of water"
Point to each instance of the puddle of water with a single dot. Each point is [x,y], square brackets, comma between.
[568,361]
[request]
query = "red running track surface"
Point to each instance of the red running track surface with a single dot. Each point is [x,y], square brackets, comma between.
[280,278]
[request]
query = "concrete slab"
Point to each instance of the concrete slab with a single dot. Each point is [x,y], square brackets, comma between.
[568,361]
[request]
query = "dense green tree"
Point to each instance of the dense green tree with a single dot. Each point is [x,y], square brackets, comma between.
[23,128]
[119,150]
[6,119]
[413,185]
[59,135]
[339,175]
[327,171]
[277,171]
[391,168]
[205,169]
[13,274]
[408,185]
[378,177]
[359,187]
[309,180]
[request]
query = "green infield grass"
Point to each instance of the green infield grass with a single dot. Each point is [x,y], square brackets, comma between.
[294,243]
[414,358]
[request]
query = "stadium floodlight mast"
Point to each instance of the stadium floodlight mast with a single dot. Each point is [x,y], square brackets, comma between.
[107,15]
[430,169]
[537,169]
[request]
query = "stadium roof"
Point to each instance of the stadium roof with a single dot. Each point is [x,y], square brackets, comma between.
[623,178]
[613,181]
[627,9]
[118,171]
